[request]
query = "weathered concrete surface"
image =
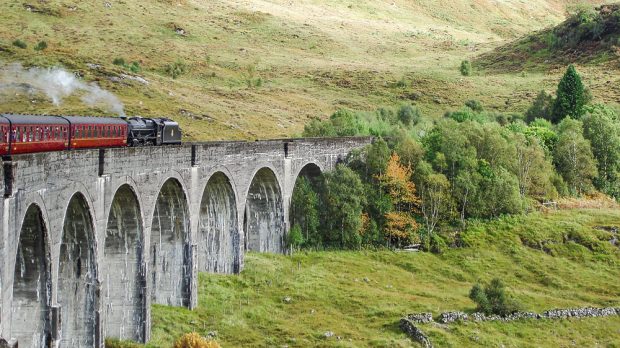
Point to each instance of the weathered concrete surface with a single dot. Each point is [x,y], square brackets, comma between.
[89,239]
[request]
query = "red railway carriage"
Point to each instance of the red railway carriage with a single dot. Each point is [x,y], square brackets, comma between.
[32,133]
[26,134]
[90,132]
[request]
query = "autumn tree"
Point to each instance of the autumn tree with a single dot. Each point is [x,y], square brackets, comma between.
[400,223]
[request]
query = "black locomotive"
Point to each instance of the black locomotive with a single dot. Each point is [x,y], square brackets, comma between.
[153,131]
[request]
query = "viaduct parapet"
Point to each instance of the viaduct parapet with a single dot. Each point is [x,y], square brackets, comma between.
[90,239]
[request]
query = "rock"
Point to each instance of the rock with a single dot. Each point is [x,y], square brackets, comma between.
[366,280]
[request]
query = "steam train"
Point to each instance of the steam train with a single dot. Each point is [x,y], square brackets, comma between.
[36,133]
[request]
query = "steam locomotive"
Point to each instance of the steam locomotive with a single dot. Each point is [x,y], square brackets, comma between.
[36,133]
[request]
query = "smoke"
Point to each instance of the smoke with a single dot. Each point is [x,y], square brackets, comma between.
[57,84]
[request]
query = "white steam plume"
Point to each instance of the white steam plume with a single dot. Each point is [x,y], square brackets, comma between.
[57,84]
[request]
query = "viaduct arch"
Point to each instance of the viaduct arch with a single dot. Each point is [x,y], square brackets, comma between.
[89,239]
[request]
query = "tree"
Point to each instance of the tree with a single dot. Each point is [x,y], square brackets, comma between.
[570,98]
[435,198]
[602,128]
[533,170]
[573,157]
[541,108]
[342,200]
[400,224]
[305,211]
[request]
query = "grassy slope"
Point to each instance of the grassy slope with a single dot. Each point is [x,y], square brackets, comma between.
[360,296]
[314,56]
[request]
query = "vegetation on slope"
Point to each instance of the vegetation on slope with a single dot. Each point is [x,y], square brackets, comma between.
[228,70]
[360,296]
[429,177]
[588,36]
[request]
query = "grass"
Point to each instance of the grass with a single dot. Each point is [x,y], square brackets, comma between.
[360,296]
[312,57]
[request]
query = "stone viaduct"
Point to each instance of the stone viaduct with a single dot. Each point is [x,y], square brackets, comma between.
[91,238]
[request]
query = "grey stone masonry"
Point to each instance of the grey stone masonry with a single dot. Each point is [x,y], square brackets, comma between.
[89,239]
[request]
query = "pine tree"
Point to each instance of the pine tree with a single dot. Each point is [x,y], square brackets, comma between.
[570,97]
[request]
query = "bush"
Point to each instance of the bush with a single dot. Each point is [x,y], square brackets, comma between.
[20,44]
[295,238]
[119,61]
[116,343]
[474,105]
[135,67]
[40,46]
[408,114]
[493,299]
[194,340]
[437,244]
[466,68]
[176,69]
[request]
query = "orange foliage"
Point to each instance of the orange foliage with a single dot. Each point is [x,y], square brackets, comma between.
[397,182]
[400,227]
[194,340]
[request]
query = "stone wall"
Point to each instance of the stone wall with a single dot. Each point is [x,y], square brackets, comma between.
[409,323]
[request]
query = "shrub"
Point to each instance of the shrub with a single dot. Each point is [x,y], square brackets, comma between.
[176,69]
[194,340]
[466,68]
[40,46]
[116,343]
[408,114]
[437,244]
[493,299]
[474,105]
[19,43]
[135,67]
[295,238]
[119,61]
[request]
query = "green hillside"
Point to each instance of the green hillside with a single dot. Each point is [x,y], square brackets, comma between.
[560,259]
[260,69]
